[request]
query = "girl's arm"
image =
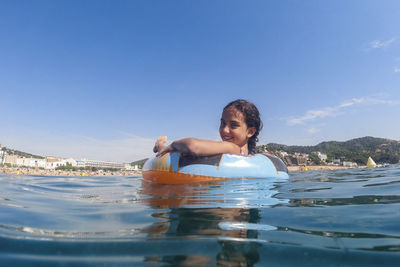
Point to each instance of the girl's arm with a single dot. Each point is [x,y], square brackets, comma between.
[200,147]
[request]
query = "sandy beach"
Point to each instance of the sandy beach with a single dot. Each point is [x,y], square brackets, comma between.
[318,167]
[41,172]
[27,171]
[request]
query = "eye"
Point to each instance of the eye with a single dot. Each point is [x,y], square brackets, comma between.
[234,125]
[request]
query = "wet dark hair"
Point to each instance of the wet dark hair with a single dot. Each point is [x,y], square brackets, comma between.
[252,119]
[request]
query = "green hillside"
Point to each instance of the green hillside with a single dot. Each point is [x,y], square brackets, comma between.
[20,153]
[356,150]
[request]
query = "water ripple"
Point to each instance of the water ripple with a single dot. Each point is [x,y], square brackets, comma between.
[345,217]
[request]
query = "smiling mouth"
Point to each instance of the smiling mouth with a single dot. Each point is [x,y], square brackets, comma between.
[227,139]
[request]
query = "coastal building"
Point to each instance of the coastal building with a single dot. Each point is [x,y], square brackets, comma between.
[83,163]
[11,159]
[52,159]
[129,167]
[31,162]
[349,164]
[51,162]
[51,165]
[292,159]
[80,163]
[16,160]
[101,164]
[54,162]
[73,162]
[301,158]
[323,157]
[283,153]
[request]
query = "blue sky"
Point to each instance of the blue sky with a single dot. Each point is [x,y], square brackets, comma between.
[103,79]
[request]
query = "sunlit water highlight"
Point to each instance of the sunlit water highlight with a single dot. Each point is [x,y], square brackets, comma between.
[316,218]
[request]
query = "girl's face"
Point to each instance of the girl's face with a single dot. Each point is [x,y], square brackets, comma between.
[233,127]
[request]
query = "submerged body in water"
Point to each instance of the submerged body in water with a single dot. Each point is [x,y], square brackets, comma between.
[345,217]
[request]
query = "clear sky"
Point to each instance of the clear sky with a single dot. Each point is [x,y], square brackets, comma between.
[103,79]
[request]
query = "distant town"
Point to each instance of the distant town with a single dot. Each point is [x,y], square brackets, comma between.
[14,158]
[304,159]
[351,153]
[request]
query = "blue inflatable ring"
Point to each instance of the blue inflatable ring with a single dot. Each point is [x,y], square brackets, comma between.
[174,168]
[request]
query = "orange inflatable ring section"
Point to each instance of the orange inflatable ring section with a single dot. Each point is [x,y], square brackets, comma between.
[167,177]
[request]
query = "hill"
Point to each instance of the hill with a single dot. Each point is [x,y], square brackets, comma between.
[20,153]
[357,150]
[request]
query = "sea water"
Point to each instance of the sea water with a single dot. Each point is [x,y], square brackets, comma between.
[316,218]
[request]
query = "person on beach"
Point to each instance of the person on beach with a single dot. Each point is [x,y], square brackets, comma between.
[239,129]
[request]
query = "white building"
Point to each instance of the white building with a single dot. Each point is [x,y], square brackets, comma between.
[349,164]
[51,162]
[283,153]
[100,164]
[83,163]
[321,156]
[31,162]
[27,162]
[72,161]
[54,162]
[80,163]
[11,159]
[129,167]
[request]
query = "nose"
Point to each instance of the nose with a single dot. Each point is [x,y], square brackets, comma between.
[225,129]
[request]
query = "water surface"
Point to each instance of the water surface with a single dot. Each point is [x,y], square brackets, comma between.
[330,218]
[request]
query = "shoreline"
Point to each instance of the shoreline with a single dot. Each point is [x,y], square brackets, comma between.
[40,172]
[319,168]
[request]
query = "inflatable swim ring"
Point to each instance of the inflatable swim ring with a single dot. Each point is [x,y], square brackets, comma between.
[173,168]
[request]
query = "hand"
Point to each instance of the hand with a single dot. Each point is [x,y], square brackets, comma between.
[164,150]
[160,143]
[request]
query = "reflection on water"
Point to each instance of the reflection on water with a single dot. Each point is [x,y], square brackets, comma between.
[244,193]
[348,217]
[227,214]
[190,224]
